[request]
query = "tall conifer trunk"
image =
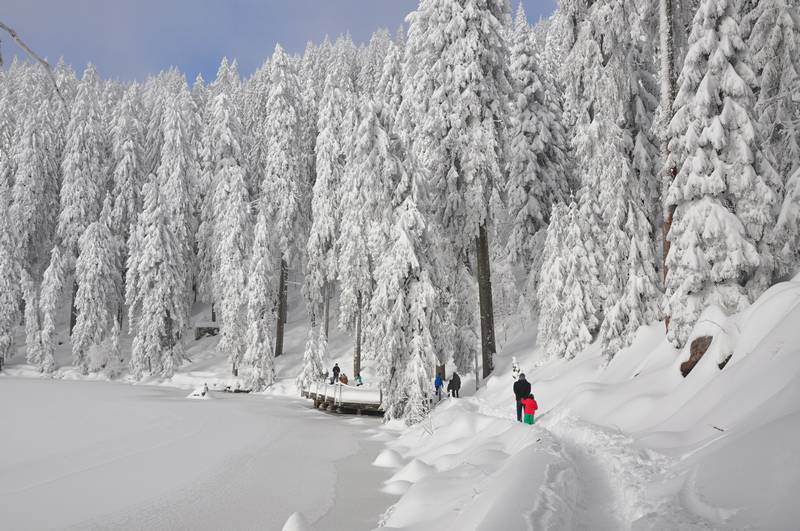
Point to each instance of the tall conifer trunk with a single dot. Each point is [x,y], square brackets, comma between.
[667,98]
[327,310]
[73,311]
[357,354]
[486,307]
[282,312]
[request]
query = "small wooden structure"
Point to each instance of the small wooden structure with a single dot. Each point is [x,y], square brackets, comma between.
[344,398]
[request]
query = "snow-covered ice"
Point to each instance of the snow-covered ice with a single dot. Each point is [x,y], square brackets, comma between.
[97,455]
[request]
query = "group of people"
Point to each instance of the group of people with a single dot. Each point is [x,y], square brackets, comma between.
[339,376]
[526,403]
[453,386]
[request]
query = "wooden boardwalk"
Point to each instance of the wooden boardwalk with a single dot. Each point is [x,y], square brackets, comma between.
[344,398]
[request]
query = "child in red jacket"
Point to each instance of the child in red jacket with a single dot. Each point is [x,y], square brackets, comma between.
[530,406]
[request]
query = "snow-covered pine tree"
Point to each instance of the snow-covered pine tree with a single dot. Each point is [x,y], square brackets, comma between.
[529,191]
[372,67]
[722,203]
[35,196]
[625,221]
[206,243]
[10,271]
[155,292]
[154,96]
[127,141]
[549,289]
[638,304]
[403,307]
[344,61]
[84,184]
[461,317]
[176,174]
[83,168]
[30,295]
[773,49]
[200,93]
[284,172]
[226,82]
[233,228]
[333,149]
[99,296]
[417,372]
[389,90]
[366,206]
[52,285]
[8,125]
[36,183]
[258,365]
[314,357]
[639,66]
[787,233]
[537,159]
[456,96]
[578,316]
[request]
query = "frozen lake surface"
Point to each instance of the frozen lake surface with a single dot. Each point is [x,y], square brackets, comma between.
[94,455]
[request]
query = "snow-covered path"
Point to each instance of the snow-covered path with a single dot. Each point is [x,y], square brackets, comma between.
[562,473]
[92,455]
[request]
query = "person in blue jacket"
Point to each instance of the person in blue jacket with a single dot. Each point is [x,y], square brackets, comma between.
[438,383]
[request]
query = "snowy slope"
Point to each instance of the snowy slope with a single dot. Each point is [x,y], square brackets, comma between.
[630,445]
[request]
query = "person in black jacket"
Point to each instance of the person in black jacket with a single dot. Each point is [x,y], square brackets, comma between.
[522,388]
[336,371]
[454,385]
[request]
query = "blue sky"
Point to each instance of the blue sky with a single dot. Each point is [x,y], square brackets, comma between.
[132,38]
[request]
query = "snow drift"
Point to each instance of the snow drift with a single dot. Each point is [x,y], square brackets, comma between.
[629,444]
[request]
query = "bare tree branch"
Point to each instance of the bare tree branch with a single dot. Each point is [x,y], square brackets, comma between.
[47,67]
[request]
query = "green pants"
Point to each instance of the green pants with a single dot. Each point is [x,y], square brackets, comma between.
[529,418]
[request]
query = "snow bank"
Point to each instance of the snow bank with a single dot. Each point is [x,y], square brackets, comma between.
[296,522]
[629,444]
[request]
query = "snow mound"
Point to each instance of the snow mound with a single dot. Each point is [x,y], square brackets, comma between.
[388,459]
[296,522]
[397,488]
[413,472]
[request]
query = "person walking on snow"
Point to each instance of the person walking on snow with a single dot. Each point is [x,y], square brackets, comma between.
[530,405]
[343,379]
[454,385]
[336,371]
[438,383]
[522,388]
[515,370]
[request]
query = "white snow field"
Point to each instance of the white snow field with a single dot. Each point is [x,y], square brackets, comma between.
[96,455]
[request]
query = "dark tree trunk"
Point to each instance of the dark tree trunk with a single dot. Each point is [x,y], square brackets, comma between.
[327,310]
[667,26]
[282,303]
[486,307]
[357,354]
[121,307]
[213,313]
[73,311]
